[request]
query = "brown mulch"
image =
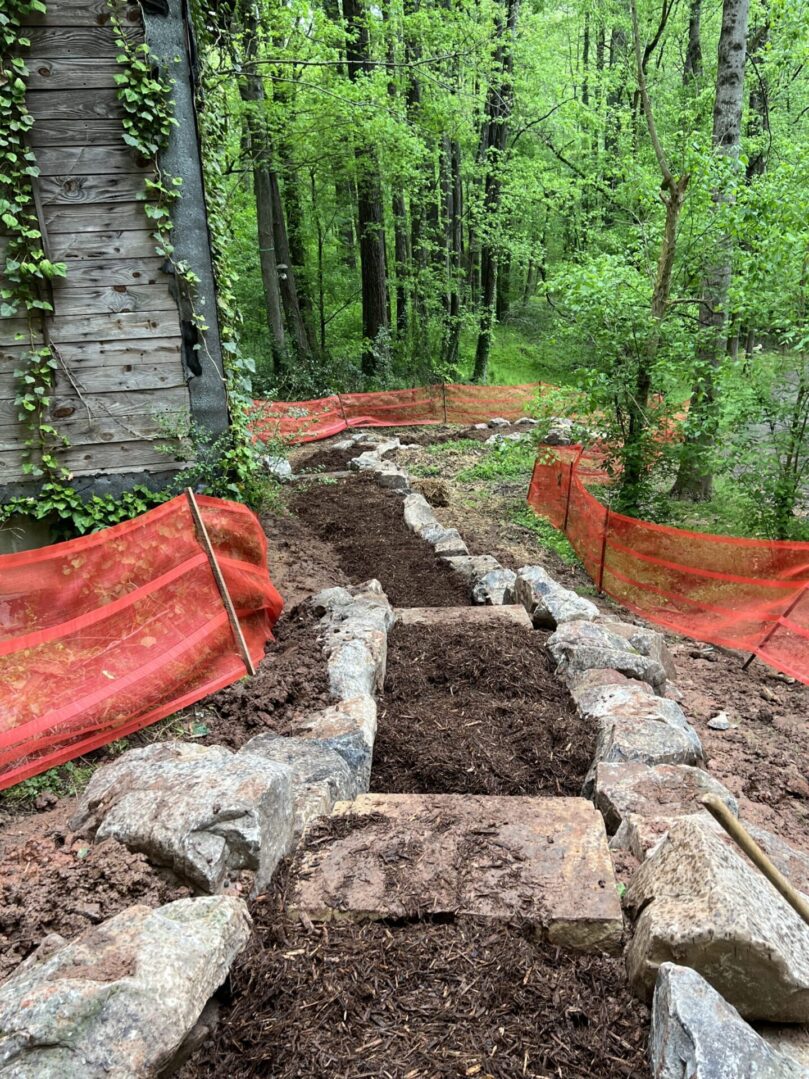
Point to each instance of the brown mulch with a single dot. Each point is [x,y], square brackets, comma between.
[328,460]
[300,563]
[429,999]
[291,680]
[365,525]
[54,882]
[476,710]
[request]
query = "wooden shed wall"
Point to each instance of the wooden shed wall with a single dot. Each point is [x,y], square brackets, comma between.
[116,323]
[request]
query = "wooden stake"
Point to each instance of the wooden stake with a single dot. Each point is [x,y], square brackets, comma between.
[720,812]
[205,542]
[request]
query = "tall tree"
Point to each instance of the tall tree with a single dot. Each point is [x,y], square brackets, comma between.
[694,481]
[494,139]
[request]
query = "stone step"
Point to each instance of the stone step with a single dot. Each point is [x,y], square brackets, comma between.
[511,614]
[543,861]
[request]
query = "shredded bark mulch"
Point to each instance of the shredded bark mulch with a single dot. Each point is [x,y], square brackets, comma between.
[329,460]
[291,681]
[55,882]
[476,710]
[365,525]
[434,999]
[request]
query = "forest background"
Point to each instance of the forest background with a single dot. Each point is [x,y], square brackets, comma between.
[610,197]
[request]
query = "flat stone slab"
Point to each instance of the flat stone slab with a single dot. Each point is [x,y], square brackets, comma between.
[541,860]
[512,614]
[666,790]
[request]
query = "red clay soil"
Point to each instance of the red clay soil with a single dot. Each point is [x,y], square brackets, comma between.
[365,526]
[435,999]
[54,882]
[291,681]
[476,710]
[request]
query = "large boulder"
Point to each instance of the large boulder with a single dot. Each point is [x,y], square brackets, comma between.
[349,728]
[698,902]
[582,646]
[117,1002]
[671,790]
[549,604]
[696,1034]
[320,775]
[648,642]
[354,626]
[495,588]
[200,810]
[472,567]
[636,726]
[418,514]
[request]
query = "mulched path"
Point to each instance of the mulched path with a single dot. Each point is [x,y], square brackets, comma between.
[54,882]
[476,710]
[291,681]
[365,525]
[420,1000]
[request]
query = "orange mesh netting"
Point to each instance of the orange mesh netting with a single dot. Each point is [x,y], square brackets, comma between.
[741,593]
[107,633]
[307,421]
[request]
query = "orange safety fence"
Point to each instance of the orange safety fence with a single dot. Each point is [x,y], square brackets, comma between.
[751,595]
[105,634]
[307,421]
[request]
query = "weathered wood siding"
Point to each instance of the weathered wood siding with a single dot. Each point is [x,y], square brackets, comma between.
[116,322]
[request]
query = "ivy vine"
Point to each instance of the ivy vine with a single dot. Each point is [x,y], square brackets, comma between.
[27,271]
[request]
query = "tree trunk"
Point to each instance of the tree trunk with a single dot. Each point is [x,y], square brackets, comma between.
[251,90]
[286,274]
[369,204]
[694,481]
[494,137]
[455,255]
[692,68]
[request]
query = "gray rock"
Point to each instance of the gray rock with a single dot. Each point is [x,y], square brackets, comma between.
[548,603]
[494,588]
[355,624]
[720,722]
[525,421]
[320,776]
[480,426]
[648,642]
[117,1002]
[448,543]
[697,901]
[365,462]
[497,439]
[696,1034]
[792,1041]
[279,467]
[586,686]
[472,567]
[580,646]
[670,790]
[418,514]
[392,477]
[201,810]
[349,728]
[498,421]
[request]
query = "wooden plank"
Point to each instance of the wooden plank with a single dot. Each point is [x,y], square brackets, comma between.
[93,360]
[78,41]
[80,190]
[132,326]
[82,13]
[114,300]
[113,457]
[10,328]
[75,133]
[87,412]
[76,105]
[87,272]
[90,161]
[89,73]
[135,244]
[108,380]
[95,217]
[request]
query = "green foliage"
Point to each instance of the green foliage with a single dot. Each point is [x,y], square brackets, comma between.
[546,535]
[506,461]
[67,779]
[69,514]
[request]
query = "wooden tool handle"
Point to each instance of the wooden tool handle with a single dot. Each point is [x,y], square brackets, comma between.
[737,832]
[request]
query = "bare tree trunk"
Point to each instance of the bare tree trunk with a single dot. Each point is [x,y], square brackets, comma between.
[493,141]
[692,68]
[369,203]
[455,254]
[694,481]
[251,89]
[286,274]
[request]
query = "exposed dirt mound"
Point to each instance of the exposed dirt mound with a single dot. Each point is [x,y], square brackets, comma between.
[59,883]
[476,710]
[328,460]
[291,681]
[300,563]
[421,1000]
[365,525]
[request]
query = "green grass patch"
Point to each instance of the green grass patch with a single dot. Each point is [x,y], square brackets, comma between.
[505,461]
[67,779]
[545,534]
